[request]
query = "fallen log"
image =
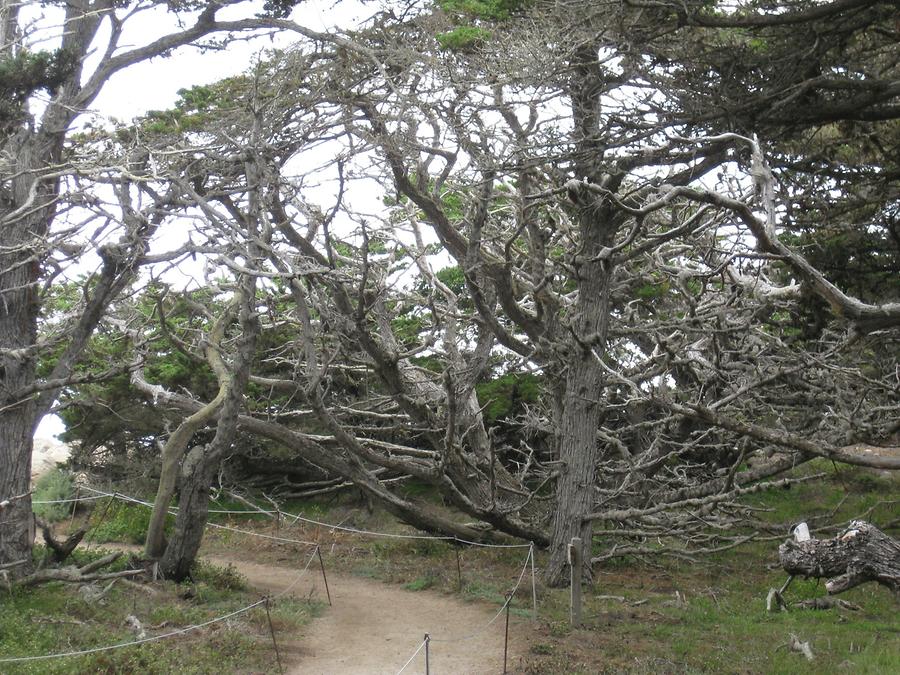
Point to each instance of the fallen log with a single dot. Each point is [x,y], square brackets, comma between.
[859,554]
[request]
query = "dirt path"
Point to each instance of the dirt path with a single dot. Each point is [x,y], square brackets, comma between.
[374,627]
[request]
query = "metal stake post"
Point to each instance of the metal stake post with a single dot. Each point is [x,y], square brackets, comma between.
[509,598]
[325,578]
[533,587]
[427,660]
[272,631]
[458,566]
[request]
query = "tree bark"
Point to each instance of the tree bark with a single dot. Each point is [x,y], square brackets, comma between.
[581,409]
[859,554]
[197,474]
[19,308]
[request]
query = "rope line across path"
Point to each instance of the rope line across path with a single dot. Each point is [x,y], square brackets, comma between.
[388,535]
[71,500]
[174,511]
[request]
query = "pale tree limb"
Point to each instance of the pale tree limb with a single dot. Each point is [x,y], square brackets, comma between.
[176,446]
[77,575]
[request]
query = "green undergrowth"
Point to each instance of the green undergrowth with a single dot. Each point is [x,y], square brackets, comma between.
[723,626]
[56,484]
[55,618]
[119,521]
[844,493]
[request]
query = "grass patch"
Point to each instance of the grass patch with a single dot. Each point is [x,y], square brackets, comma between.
[123,522]
[420,583]
[56,618]
[724,627]
[218,577]
[288,614]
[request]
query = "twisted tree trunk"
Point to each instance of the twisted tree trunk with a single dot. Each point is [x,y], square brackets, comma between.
[859,554]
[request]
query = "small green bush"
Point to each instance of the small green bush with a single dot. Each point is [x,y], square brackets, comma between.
[420,583]
[218,577]
[53,485]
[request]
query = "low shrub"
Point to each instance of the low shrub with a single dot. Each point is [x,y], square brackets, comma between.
[53,486]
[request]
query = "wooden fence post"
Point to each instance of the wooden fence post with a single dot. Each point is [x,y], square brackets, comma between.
[575,581]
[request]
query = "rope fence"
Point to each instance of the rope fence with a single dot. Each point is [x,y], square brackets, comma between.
[294,519]
[502,609]
[174,511]
[529,558]
[415,654]
[174,633]
[121,645]
[71,500]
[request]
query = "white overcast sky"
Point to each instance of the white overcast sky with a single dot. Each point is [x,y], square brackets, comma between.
[154,85]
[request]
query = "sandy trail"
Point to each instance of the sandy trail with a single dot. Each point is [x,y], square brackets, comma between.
[375,627]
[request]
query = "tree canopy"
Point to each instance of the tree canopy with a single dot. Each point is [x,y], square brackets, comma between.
[589,271]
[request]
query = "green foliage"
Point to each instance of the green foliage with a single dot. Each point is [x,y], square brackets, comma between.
[488,10]
[279,9]
[468,36]
[420,584]
[218,577]
[453,278]
[27,72]
[652,291]
[503,397]
[463,38]
[126,523]
[406,328]
[53,485]
[195,107]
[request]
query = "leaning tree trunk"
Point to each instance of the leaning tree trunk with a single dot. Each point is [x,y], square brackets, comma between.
[202,463]
[197,474]
[859,554]
[176,446]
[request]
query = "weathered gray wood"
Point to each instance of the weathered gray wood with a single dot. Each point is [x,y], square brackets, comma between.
[575,563]
[859,554]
